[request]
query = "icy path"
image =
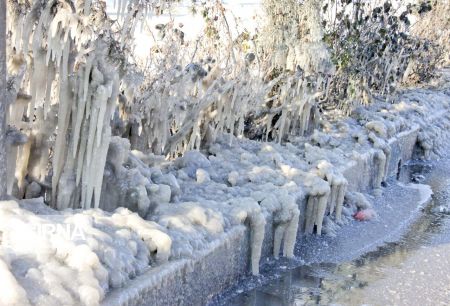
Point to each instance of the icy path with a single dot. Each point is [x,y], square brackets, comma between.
[422,277]
[396,210]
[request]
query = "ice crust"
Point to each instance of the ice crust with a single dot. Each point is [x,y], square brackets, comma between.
[184,207]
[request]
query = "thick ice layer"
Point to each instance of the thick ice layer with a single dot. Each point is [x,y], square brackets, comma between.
[72,257]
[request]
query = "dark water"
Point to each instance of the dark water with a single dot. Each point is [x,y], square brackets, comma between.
[285,283]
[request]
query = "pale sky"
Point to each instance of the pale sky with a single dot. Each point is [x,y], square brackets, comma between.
[245,11]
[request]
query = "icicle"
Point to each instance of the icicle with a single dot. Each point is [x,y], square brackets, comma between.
[93,118]
[11,152]
[65,102]
[380,163]
[277,238]
[332,198]
[290,236]
[321,208]
[66,184]
[38,81]
[257,222]
[14,139]
[51,72]
[247,209]
[84,81]
[102,96]
[319,190]
[340,201]
[88,179]
[100,166]
[310,217]
[82,151]
[21,167]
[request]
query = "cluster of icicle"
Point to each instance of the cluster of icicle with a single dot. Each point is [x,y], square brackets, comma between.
[294,34]
[70,89]
[205,113]
[292,42]
[326,190]
[180,109]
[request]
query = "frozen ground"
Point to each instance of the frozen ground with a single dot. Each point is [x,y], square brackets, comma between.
[396,210]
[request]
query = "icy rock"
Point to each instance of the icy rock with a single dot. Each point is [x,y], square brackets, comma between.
[191,225]
[118,152]
[320,139]
[233,177]
[426,143]
[108,251]
[338,186]
[149,159]
[170,180]
[124,181]
[286,221]
[160,193]
[202,176]
[357,199]
[269,154]
[378,127]
[15,137]
[360,137]
[11,293]
[329,227]
[347,211]
[417,178]
[158,242]
[260,174]
[187,215]
[441,209]
[192,160]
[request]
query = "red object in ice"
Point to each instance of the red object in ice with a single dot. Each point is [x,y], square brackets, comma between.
[364,215]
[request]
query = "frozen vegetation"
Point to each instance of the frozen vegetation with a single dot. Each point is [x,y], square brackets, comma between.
[194,200]
[158,160]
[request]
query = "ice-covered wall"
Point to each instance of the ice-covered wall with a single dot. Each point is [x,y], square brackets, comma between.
[251,164]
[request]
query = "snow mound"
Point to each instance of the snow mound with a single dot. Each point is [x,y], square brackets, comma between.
[72,257]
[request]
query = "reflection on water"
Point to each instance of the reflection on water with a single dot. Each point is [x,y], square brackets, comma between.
[325,284]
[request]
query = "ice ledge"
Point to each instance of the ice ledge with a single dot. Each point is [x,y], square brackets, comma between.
[196,281]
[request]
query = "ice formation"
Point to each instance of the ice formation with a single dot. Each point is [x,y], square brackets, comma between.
[338,186]
[72,257]
[319,192]
[157,159]
[250,183]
